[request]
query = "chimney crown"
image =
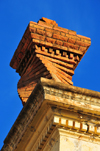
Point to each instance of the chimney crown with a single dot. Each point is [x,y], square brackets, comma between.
[47,50]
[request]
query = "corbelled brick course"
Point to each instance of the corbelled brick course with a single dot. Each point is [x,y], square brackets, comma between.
[47,50]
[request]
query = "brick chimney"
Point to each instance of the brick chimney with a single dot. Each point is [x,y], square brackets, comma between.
[47,50]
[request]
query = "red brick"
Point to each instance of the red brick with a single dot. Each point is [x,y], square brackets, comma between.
[71,40]
[32,29]
[36,36]
[61,79]
[26,60]
[41,32]
[63,48]
[44,49]
[20,55]
[56,36]
[55,46]
[25,46]
[27,32]
[15,65]
[69,66]
[48,44]
[64,54]
[42,43]
[18,59]
[38,26]
[82,48]
[74,46]
[75,51]
[45,24]
[56,57]
[71,56]
[19,47]
[63,34]
[48,34]
[61,29]
[28,39]
[71,45]
[76,58]
[62,69]
[42,37]
[63,38]
[51,51]
[58,52]
[36,41]
[23,40]
[50,30]
[58,42]
[56,32]
[86,41]
[87,38]
[23,50]
[47,37]
[82,43]
[49,21]
[71,32]
[72,37]
[51,40]
[32,23]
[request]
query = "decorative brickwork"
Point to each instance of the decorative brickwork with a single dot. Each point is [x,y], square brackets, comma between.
[56,115]
[47,50]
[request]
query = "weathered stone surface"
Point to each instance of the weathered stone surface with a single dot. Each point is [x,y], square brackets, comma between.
[51,106]
[63,141]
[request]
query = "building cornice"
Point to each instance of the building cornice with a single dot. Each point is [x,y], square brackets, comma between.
[73,103]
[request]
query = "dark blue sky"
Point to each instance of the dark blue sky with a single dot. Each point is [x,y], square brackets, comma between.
[81,16]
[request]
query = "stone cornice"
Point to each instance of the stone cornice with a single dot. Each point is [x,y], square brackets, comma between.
[57,96]
[74,98]
[64,87]
[25,117]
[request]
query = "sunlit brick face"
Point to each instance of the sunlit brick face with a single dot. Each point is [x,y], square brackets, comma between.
[47,50]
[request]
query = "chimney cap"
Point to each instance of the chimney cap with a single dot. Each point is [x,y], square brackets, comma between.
[46,32]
